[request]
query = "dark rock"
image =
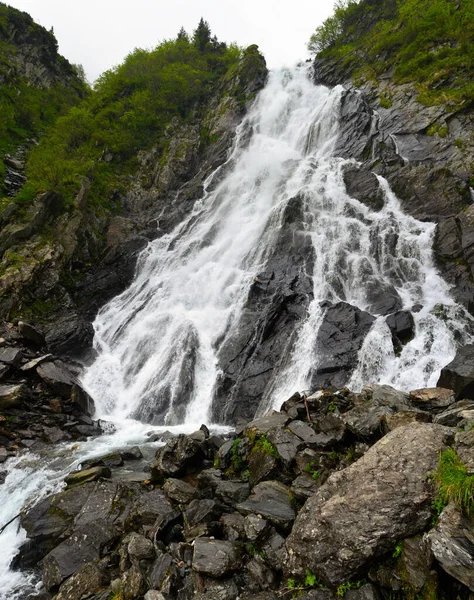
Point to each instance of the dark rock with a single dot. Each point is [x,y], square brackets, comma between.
[402,418]
[82,401]
[85,545]
[365,592]
[201,518]
[133,453]
[255,527]
[286,445]
[88,580]
[58,377]
[364,186]
[140,548]
[415,563]
[179,491]
[402,326]
[262,425]
[133,584]
[464,444]
[271,499]
[275,550]
[31,334]
[452,543]
[87,475]
[263,576]
[234,526]
[10,356]
[216,558]
[454,415]
[262,465]
[458,375]
[340,337]
[180,456]
[360,512]
[330,431]
[162,568]
[231,493]
[13,395]
[32,364]
[304,486]
[305,432]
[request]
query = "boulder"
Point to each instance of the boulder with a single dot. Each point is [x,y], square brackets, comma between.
[255,527]
[89,579]
[82,401]
[216,558]
[271,500]
[457,412]
[180,456]
[402,326]
[340,337]
[458,375]
[262,425]
[452,543]
[32,364]
[233,525]
[12,396]
[57,376]
[432,399]
[10,356]
[179,491]
[87,475]
[360,512]
[30,333]
[364,186]
[464,444]
[140,548]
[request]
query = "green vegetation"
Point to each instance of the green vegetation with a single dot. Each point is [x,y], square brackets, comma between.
[426,42]
[238,462]
[129,110]
[397,550]
[350,585]
[263,446]
[454,483]
[27,108]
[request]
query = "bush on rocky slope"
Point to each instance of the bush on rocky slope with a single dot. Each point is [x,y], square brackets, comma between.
[427,42]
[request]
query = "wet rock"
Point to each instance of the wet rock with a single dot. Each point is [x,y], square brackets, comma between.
[10,356]
[305,432]
[231,493]
[13,395]
[364,186]
[452,543]
[432,399]
[31,334]
[82,401]
[339,340]
[180,456]
[454,415]
[402,326]
[3,455]
[286,444]
[58,377]
[216,558]
[179,491]
[87,475]
[86,581]
[133,453]
[162,568]
[271,499]
[262,465]
[201,518]
[360,512]
[458,375]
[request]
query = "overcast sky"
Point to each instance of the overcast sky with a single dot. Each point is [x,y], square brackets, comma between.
[99,33]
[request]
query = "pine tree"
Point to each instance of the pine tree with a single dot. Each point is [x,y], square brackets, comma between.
[183,35]
[202,35]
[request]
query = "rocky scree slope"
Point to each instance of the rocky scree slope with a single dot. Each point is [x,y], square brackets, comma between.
[334,496]
[60,264]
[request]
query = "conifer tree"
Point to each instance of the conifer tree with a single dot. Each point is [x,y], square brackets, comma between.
[202,35]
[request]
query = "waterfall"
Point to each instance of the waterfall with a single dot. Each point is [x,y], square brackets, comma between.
[157,344]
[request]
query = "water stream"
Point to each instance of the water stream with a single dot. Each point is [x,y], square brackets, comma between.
[157,342]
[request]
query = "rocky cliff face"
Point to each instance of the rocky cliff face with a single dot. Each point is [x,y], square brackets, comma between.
[60,267]
[425,152]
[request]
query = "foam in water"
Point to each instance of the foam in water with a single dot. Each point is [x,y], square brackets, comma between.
[156,342]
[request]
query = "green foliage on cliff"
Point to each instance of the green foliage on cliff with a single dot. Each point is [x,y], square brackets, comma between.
[128,110]
[426,42]
[27,107]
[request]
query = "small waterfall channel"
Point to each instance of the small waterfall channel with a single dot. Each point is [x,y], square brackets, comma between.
[157,343]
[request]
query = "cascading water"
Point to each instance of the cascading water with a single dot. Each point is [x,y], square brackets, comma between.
[157,343]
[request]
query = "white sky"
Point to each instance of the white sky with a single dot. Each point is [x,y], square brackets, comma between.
[100,33]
